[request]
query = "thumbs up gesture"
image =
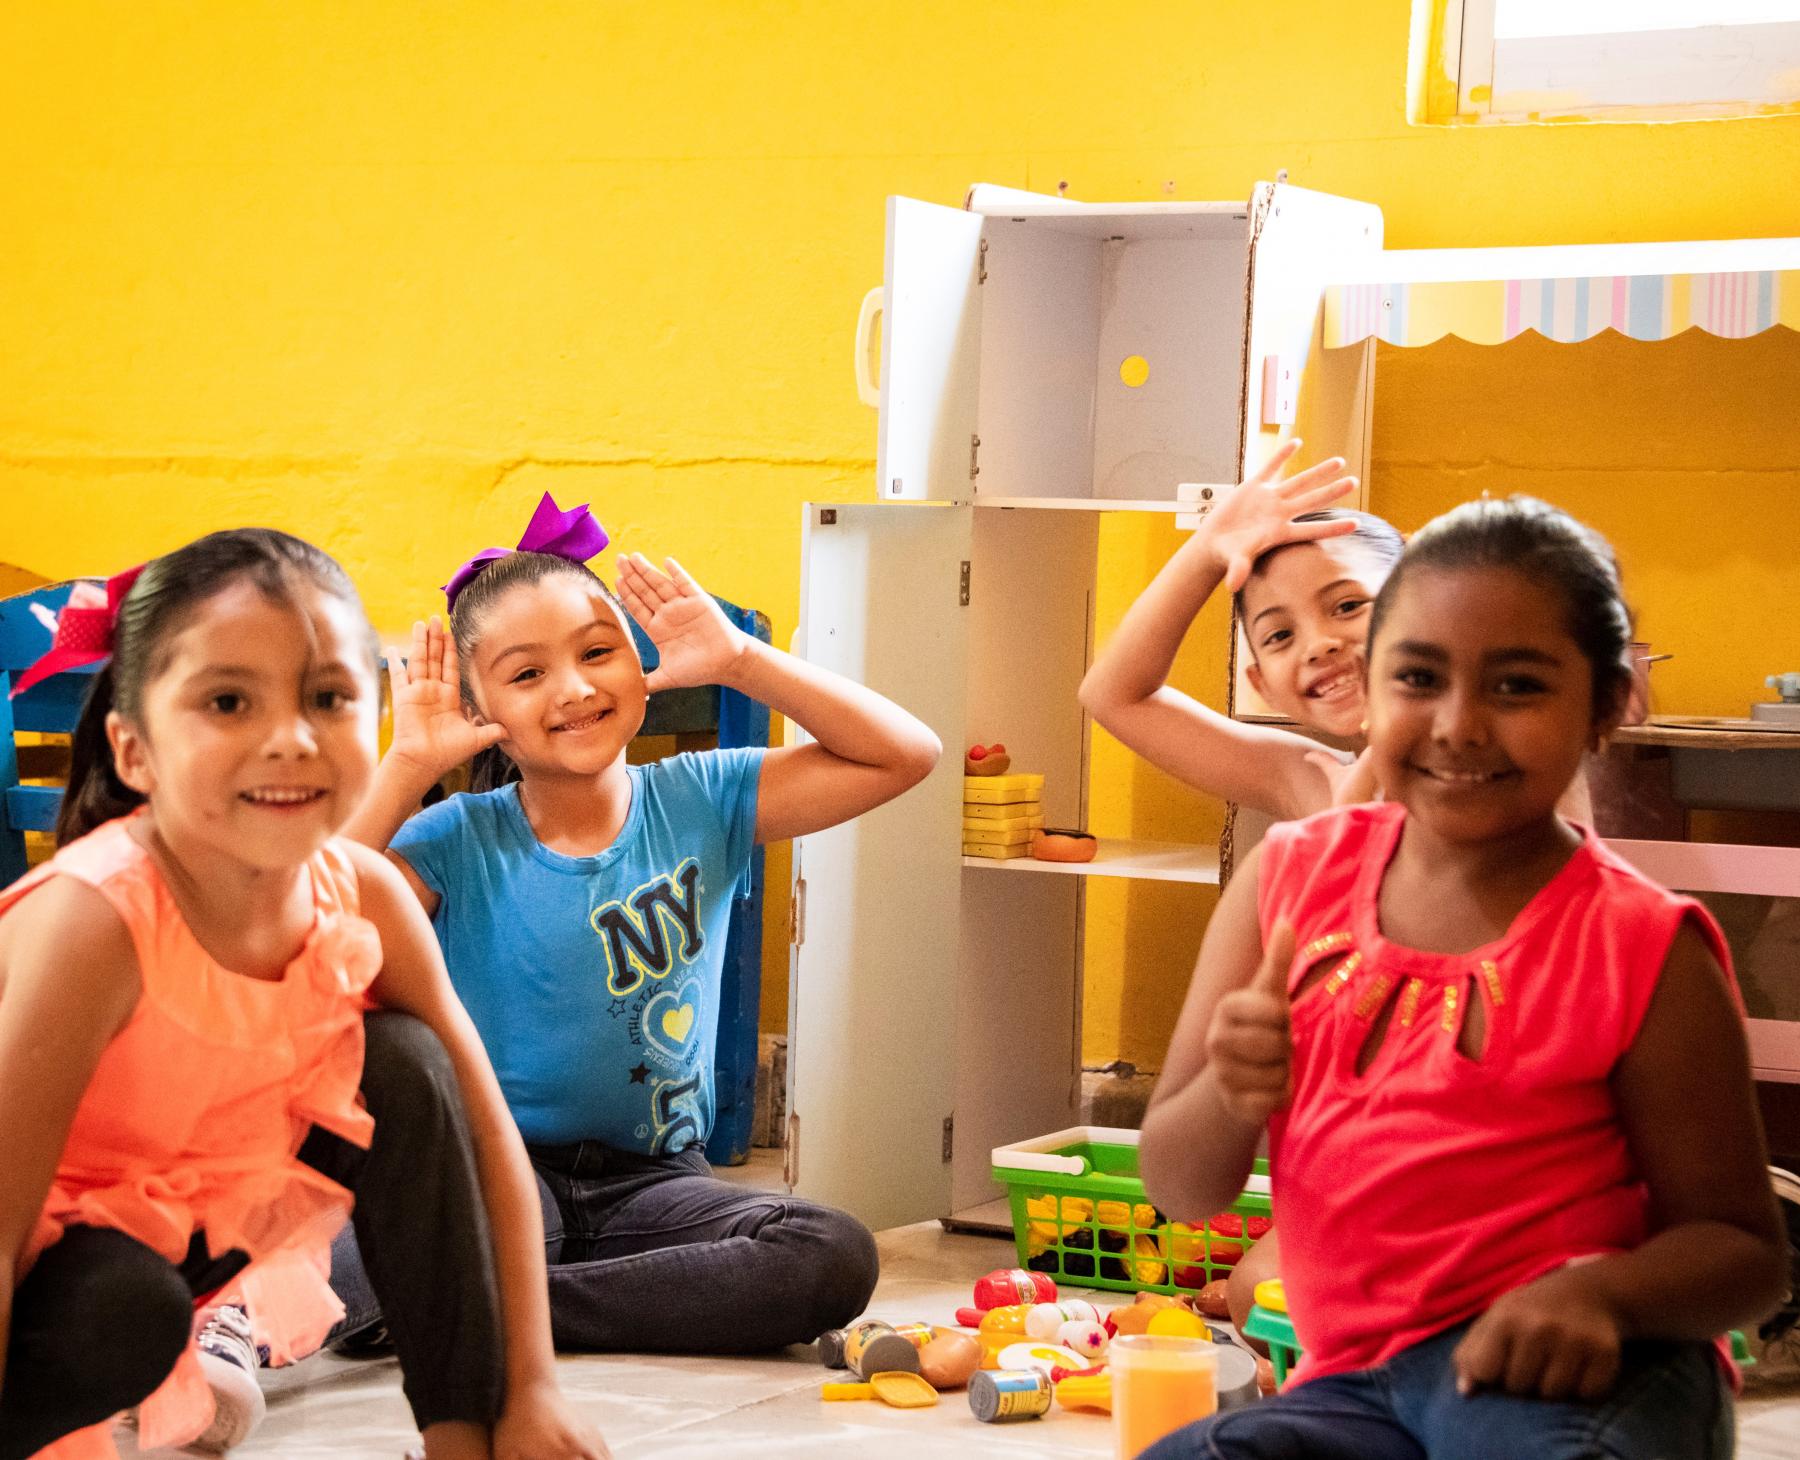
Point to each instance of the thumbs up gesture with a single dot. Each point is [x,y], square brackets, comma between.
[1248,1047]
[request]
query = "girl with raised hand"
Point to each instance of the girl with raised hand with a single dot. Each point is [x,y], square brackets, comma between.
[183,991]
[582,904]
[1514,1146]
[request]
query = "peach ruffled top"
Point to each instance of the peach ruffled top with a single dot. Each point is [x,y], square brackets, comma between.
[198,1107]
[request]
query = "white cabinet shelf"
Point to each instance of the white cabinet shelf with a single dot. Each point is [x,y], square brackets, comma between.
[1042,362]
[1118,857]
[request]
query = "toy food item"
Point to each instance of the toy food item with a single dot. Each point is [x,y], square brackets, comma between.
[831,1348]
[1087,1338]
[1006,1286]
[900,1389]
[1136,1317]
[991,760]
[949,1359]
[1265,1377]
[1044,1319]
[1010,1319]
[1160,1385]
[1007,1395]
[1086,1389]
[1062,844]
[1041,1356]
[872,1347]
[1177,1323]
[1211,1299]
[917,1334]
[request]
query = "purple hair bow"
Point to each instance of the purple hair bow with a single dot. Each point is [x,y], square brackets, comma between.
[575,534]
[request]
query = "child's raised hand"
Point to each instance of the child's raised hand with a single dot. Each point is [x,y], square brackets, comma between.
[695,642]
[431,732]
[1260,513]
[1249,1050]
[1555,1338]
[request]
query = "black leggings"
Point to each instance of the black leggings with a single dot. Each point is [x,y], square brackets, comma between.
[99,1321]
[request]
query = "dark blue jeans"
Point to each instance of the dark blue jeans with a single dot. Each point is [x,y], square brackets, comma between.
[1671,1403]
[654,1254]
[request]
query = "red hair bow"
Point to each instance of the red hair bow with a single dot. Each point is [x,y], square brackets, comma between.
[84,628]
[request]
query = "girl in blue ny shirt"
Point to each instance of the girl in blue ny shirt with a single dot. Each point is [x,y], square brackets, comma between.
[582,908]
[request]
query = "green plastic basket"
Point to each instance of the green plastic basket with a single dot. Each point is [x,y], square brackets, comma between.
[1079,1214]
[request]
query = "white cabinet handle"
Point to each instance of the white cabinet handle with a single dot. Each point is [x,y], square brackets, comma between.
[874,303]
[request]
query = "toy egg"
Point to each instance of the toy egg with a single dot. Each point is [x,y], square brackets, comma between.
[949,1359]
[1087,1339]
[1040,1356]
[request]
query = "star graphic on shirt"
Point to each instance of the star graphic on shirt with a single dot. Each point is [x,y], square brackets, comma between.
[618,1007]
[640,1074]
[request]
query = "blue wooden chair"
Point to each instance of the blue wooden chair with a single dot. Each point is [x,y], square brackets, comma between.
[736,720]
[50,707]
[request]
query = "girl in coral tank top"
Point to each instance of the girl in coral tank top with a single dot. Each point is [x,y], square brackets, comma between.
[185,1108]
[1516,1158]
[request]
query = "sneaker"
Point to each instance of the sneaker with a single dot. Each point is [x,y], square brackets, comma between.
[228,1357]
[1776,1346]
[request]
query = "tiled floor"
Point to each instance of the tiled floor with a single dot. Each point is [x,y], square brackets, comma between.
[739,1409]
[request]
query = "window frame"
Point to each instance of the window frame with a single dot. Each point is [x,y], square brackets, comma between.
[1469,58]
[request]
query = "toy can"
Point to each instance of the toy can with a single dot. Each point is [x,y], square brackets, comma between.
[872,1347]
[831,1348]
[999,1396]
[917,1334]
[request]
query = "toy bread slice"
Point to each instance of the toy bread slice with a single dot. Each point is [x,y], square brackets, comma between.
[999,852]
[1017,781]
[1018,829]
[995,792]
[1001,810]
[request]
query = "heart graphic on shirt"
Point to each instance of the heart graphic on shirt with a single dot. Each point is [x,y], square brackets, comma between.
[671,1022]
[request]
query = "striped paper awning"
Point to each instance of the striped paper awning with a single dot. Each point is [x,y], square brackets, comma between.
[1492,311]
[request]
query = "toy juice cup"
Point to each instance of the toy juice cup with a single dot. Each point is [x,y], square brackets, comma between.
[1160,1382]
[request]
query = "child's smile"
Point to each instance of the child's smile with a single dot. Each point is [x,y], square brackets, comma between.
[1481,703]
[1306,617]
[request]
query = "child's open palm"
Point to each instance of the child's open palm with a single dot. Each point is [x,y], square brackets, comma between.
[1259,514]
[431,731]
[695,643]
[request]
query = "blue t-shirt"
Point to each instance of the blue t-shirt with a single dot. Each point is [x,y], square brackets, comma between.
[595,980]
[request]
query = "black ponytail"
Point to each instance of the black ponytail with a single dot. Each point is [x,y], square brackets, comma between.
[168,590]
[95,794]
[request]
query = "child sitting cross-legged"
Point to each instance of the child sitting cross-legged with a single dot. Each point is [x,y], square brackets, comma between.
[582,905]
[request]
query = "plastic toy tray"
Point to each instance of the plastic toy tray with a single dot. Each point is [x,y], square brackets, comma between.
[1080,1215]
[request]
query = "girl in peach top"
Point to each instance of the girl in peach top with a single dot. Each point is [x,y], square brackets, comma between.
[182,1035]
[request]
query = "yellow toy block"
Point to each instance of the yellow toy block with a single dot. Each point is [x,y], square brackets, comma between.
[999,790]
[996,851]
[1015,829]
[1001,811]
[1018,781]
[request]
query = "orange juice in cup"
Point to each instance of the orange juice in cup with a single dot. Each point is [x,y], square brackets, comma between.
[1159,1382]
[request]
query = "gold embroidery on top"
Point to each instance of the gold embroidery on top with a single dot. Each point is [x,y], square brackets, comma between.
[1374,995]
[1319,947]
[1409,1001]
[1343,974]
[1450,992]
[1491,976]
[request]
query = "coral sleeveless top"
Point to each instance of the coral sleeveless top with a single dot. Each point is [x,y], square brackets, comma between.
[200,1103]
[1413,1194]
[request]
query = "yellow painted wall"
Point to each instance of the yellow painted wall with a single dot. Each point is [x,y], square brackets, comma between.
[381,272]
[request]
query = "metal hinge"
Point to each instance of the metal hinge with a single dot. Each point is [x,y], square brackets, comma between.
[962,596]
[797,914]
[974,457]
[981,264]
[949,1136]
